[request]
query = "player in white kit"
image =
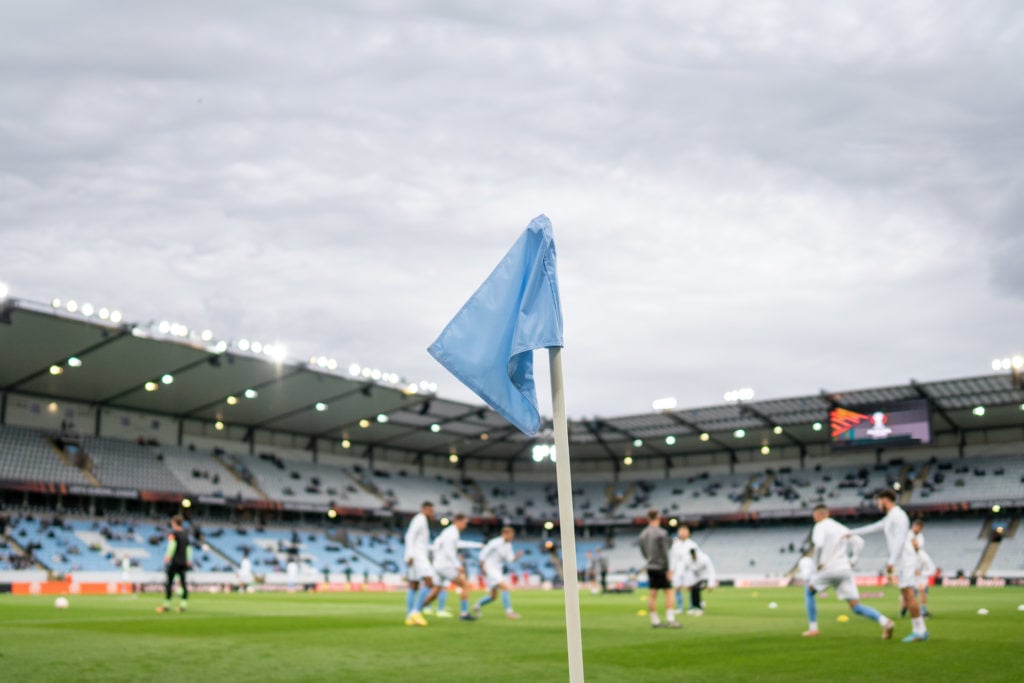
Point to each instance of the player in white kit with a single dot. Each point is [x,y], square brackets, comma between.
[496,554]
[678,562]
[831,568]
[449,567]
[902,564]
[418,567]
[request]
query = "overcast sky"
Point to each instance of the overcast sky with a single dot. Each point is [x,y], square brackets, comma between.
[789,196]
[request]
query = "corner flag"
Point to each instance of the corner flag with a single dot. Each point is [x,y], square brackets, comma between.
[489,343]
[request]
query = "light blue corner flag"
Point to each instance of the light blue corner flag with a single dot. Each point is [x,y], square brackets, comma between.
[489,343]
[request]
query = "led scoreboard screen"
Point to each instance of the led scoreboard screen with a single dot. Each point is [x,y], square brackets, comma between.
[903,423]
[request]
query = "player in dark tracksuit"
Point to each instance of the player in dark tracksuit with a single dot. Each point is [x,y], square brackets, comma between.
[177,561]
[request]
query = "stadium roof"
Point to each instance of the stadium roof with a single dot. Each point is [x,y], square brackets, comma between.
[194,378]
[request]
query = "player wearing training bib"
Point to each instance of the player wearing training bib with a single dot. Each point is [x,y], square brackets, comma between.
[831,568]
[177,562]
[901,565]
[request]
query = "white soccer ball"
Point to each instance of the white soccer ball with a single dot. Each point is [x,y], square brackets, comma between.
[61,603]
[1020,608]
[982,611]
[772,605]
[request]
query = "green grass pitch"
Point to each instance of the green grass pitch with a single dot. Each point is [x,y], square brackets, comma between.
[361,637]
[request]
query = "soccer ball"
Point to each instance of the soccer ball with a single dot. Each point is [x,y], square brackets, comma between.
[61,603]
[982,611]
[772,605]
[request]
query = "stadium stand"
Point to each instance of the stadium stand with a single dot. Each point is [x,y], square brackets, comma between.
[93,463]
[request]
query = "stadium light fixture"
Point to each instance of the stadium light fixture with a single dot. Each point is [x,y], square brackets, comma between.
[87,309]
[737,395]
[4,290]
[445,521]
[364,423]
[251,393]
[670,440]
[167,379]
[628,460]
[115,316]
[320,406]
[766,450]
[979,411]
[543,450]
[739,433]
[186,503]
[151,386]
[74,362]
[103,313]
[71,306]
[346,444]
[332,513]
[549,525]
[638,443]
[382,418]
[55,302]
[435,428]
[673,522]
[219,426]
[453,458]
[997,508]
[704,436]
[664,404]
[777,429]
[52,407]
[231,400]
[816,426]
[243,344]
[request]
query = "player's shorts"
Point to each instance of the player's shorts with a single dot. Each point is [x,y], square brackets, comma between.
[683,579]
[906,575]
[493,579]
[842,581]
[447,574]
[420,569]
[658,579]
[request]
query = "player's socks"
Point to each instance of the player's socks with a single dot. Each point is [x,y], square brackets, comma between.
[421,596]
[441,598]
[679,600]
[812,607]
[870,613]
[484,600]
[464,606]
[410,601]
[655,620]
[506,601]
[917,625]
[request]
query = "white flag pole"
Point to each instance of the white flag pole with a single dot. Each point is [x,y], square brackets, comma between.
[566,520]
